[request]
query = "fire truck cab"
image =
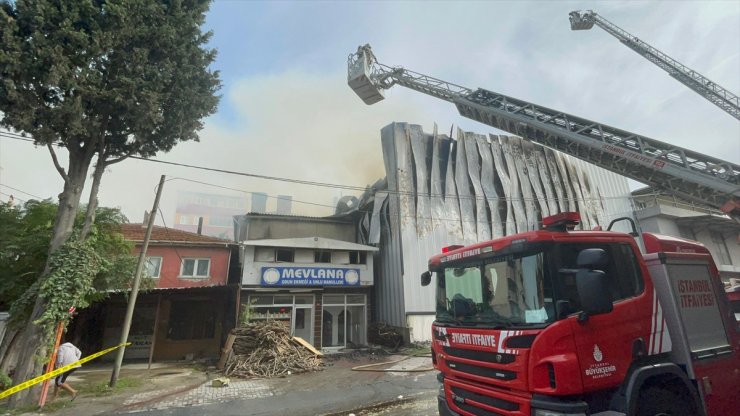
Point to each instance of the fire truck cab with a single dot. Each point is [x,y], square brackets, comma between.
[559,322]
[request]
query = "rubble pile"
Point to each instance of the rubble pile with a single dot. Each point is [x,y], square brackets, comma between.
[266,349]
[385,335]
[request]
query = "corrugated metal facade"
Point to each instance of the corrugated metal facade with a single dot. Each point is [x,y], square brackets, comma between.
[442,191]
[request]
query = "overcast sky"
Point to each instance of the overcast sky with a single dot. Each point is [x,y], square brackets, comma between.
[287,111]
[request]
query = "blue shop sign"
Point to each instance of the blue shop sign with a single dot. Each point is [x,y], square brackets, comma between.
[309,276]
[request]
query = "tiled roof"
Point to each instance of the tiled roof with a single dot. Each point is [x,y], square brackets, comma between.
[136,232]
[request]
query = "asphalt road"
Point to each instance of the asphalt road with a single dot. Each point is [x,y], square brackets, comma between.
[422,404]
[418,389]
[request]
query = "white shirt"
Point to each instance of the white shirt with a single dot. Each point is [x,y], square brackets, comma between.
[67,354]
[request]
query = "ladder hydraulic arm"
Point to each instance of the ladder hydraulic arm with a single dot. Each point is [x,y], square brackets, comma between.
[682,172]
[708,89]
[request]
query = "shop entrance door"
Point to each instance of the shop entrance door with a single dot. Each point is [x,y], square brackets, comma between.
[303,322]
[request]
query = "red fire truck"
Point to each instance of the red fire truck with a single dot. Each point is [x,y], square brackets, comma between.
[559,322]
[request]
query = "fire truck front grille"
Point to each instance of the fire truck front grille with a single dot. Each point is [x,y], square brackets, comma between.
[459,394]
[477,410]
[482,371]
[490,357]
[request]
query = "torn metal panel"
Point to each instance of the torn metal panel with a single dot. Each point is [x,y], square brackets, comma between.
[482,223]
[566,183]
[488,182]
[557,182]
[525,187]
[440,155]
[419,151]
[578,192]
[515,192]
[452,216]
[464,195]
[503,175]
[546,179]
[530,162]
[380,203]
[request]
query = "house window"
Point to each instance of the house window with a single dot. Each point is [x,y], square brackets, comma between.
[284,255]
[357,257]
[195,268]
[153,266]
[719,241]
[192,320]
[322,256]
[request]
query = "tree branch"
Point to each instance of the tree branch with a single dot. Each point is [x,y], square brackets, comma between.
[56,163]
[122,158]
[92,204]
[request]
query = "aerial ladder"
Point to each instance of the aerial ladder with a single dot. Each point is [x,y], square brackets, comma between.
[721,97]
[681,172]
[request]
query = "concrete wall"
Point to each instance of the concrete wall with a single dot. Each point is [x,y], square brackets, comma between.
[251,269]
[171,262]
[259,227]
[659,217]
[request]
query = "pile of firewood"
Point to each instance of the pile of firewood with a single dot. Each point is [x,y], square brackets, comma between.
[266,349]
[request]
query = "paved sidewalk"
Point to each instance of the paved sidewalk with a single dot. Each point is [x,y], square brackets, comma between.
[183,388]
[206,394]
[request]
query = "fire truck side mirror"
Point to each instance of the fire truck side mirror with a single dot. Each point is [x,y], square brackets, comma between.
[594,293]
[426,278]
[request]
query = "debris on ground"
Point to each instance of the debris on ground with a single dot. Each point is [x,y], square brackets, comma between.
[220,382]
[385,335]
[266,349]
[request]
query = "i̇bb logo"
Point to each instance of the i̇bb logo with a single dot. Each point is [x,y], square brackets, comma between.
[598,356]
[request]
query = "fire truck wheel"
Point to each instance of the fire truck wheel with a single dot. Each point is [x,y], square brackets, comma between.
[656,401]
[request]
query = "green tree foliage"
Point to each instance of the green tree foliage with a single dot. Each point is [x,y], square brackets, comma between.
[130,75]
[83,271]
[106,78]
[24,244]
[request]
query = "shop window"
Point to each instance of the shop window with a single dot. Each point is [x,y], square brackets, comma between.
[153,266]
[304,300]
[195,268]
[192,320]
[356,299]
[284,255]
[343,324]
[261,300]
[322,256]
[357,257]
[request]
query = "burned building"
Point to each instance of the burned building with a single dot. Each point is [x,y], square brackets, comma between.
[439,191]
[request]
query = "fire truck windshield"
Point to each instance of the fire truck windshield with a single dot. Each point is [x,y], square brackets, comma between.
[509,290]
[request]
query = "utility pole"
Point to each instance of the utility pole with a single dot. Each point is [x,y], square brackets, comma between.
[135,288]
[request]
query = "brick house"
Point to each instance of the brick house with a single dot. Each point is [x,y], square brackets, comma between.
[188,313]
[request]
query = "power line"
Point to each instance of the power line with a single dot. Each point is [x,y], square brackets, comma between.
[250,192]
[23,192]
[356,188]
[14,197]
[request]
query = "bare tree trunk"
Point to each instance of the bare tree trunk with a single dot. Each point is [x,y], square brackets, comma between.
[92,204]
[11,336]
[31,343]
